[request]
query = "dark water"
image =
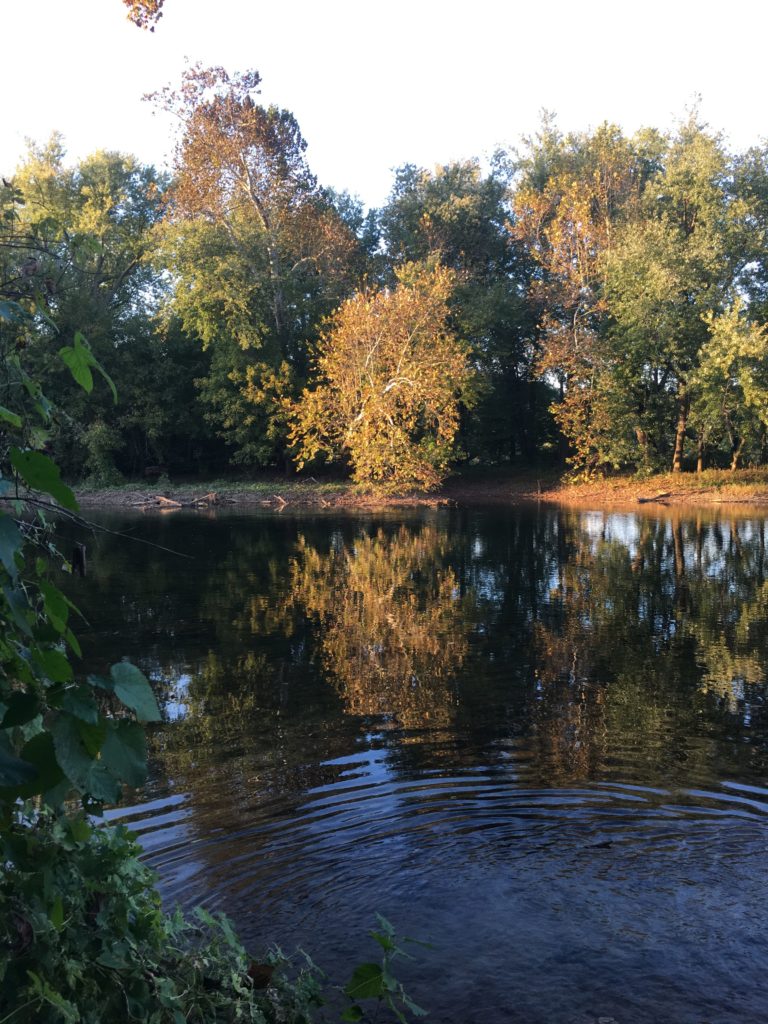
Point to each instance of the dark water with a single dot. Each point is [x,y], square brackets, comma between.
[537,739]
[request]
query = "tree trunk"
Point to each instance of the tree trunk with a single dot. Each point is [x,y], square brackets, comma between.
[642,440]
[682,422]
[736,455]
[700,454]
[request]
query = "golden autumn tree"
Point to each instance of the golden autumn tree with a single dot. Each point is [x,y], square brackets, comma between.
[391,376]
[144,13]
[394,623]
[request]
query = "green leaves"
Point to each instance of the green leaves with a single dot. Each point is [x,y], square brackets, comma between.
[40,774]
[79,358]
[124,753]
[76,752]
[99,754]
[131,686]
[56,606]
[10,417]
[353,1013]
[80,703]
[376,981]
[42,474]
[367,982]
[94,944]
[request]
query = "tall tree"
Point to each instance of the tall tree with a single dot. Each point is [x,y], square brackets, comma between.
[86,232]
[460,215]
[688,255]
[257,250]
[571,196]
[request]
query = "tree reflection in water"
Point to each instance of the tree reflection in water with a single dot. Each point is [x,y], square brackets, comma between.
[463,710]
[602,643]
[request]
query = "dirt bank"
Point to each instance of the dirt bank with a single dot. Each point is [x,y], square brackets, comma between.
[714,488]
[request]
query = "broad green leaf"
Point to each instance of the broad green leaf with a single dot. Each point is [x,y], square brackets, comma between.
[353,1013]
[80,703]
[10,417]
[109,958]
[41,474]
[76,358]
[56,605]
[125,753]
[93,736]
[10,543]
[39,752]
[19,608]
[138,999]
[367,982]
[73,642]
[54,664]
[79,358]
[102,683]
[56,915]
[79,829]
[80,765]
[70,749]
[134,691]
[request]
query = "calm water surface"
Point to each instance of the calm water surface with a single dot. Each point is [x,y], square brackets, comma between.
[537,739]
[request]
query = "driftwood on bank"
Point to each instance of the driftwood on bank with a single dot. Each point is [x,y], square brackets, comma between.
[159,501]
[654,497]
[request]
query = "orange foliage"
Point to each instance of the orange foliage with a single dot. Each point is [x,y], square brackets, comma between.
[145,13]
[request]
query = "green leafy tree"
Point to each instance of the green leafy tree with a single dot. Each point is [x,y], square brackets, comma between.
[683,258]
[571,196]
[730,387]
[460,216]
[82,933]
[257,251]
[80,239]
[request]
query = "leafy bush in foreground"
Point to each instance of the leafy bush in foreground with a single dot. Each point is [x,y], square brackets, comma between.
[84,939]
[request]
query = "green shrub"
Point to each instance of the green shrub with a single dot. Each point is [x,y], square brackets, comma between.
[83,938]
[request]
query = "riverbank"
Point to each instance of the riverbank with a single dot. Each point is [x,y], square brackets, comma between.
[712,488]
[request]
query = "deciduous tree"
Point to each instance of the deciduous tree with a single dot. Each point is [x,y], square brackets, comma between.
[391,374]
[257,251]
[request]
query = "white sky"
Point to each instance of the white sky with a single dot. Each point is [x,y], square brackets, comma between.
[375,85]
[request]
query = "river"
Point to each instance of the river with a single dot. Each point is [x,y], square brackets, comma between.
[534,738]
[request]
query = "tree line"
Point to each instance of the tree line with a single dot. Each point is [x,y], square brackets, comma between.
[593,299]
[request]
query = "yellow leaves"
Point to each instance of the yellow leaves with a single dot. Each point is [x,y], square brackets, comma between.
[394,628]
[391,374]
[144,13]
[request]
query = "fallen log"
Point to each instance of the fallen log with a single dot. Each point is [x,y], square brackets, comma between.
[655,497]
